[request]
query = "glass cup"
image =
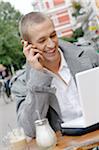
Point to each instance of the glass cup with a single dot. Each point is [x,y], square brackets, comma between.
[16,140]
[45,136]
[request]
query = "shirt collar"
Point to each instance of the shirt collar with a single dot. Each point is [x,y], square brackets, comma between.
[63,64]
[63,61]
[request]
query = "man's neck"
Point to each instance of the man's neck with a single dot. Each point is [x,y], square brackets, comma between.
[54,67]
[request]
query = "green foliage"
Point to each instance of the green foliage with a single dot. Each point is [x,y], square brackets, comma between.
[78,33]
[77,6]
[10,45]
[71,39]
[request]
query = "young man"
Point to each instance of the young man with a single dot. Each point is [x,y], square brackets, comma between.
[48,84]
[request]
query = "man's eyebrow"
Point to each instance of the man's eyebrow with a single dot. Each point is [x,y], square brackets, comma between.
[53,32]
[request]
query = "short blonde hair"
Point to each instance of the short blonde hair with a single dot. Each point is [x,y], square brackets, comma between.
[27,21]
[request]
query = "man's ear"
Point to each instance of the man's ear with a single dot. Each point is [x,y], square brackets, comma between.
[22,41]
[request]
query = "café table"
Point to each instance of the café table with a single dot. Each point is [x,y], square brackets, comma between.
[70,142]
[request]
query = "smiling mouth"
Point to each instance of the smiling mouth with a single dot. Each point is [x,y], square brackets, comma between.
[52,51]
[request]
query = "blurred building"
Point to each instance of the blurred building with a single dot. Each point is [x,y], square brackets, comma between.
[96,9]
[61,13]
[57,10]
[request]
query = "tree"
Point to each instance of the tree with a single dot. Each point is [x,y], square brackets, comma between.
[10,45]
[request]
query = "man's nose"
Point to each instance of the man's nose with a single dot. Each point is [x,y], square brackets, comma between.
[50,43]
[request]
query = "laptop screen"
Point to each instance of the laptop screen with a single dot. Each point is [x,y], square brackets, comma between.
[88,90]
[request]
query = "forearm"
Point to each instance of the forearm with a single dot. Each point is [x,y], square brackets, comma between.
[27,111]
[35,96]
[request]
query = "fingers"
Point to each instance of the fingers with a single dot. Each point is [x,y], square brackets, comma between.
[36,51]
[29,48]
[35,60]
[26,48]
[38,55]
[33,55]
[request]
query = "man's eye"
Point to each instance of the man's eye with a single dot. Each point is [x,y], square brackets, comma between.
[53,35]
[42,41]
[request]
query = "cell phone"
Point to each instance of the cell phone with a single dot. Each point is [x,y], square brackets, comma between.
[35,53]
[29,43]
[34,47]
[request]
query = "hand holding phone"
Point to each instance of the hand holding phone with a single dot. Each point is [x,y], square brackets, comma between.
[33,55]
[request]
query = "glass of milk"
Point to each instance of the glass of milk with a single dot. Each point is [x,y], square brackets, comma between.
[45,136]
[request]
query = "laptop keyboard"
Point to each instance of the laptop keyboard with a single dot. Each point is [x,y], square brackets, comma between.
[75,123]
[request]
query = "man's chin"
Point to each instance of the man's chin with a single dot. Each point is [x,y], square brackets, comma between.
[51,59]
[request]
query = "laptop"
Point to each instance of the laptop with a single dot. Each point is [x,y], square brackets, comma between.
[88,90]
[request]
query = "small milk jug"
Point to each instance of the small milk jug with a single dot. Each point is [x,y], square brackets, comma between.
[45,136]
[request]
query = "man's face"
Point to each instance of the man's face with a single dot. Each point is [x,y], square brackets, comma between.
[44,38]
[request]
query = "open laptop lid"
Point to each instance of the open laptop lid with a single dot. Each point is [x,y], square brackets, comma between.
[88,90]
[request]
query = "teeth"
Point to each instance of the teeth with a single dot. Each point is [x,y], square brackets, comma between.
[51,51]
